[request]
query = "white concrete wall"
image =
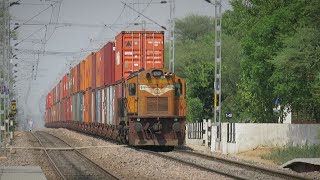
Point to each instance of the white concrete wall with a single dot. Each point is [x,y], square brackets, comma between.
[251,136]
[192,141]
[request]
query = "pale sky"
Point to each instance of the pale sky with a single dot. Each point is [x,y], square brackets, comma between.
[77,27]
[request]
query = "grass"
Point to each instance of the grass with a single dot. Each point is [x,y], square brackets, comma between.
[282,155]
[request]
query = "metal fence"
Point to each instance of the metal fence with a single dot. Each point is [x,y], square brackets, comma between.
[195,130]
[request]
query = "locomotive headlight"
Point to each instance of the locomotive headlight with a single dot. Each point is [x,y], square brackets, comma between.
[175,119]
[138,119]
[176,126]
[138,127]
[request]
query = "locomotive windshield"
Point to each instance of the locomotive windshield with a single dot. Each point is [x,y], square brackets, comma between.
[157,73]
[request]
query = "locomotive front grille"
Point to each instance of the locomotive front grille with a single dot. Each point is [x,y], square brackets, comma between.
[157,104]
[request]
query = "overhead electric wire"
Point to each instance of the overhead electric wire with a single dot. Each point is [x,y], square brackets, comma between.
[36,15]
[142,12]
[144,16]
[29,35]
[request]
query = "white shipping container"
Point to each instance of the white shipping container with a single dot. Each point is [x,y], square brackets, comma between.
[98,106]
[92,106]
[103,99]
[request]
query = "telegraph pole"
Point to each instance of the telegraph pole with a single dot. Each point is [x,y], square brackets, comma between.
[2,75]
[171,31]
[5,72]
[217,70]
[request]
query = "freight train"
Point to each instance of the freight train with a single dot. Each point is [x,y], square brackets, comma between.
[123,93]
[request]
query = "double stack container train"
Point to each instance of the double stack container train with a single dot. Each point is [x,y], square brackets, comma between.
[122,92]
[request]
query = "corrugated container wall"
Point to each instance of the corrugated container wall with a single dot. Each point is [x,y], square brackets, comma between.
[64,81]
[70,81]
[49,101]
[61,89]
[68,85]
[53,91]
[108,54]
[75,80]
[82,76]
[136,50]
[99,70]
[87,106]
[90,71]
[105,59]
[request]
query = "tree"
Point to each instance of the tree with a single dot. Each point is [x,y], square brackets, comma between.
[194,61]
[261,27]
[296,74]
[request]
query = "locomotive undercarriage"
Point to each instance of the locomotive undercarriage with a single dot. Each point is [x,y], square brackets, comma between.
[135,132]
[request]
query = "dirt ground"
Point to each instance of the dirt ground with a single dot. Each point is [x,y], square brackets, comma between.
[256,156]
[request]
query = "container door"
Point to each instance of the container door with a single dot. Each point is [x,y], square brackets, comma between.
[153,50]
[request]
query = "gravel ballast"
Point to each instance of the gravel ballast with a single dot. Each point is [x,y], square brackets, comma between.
[123,161]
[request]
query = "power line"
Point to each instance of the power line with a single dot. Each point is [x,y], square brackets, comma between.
[141,11]
[163,27]
[34,16]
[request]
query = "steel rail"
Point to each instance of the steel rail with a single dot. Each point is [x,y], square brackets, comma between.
[272,172]
[191,164]
[50,159]
[85,157]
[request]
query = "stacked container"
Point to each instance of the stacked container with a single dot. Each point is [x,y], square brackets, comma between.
[136,50]
[90,91]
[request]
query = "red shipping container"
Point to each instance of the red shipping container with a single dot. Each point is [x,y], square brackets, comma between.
[49,100]
[64,79]
[105,65]
[75,79]
[99,70]
[53,95]
[108,54]
[57,93]
[136,50]
[90,71]
[82,76]
[61,89]
[68,85]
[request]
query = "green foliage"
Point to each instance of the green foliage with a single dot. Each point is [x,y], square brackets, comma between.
[193,27]
[283,155]
[194,61]
[195,109]
[270,50]
[263,28]
[295,77]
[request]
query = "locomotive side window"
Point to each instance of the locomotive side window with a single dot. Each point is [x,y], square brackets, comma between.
[132,89]
[178,88]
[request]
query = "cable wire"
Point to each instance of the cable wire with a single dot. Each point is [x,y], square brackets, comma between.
[144,16]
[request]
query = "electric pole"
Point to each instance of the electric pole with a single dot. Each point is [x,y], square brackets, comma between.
[217,70]
[171,31]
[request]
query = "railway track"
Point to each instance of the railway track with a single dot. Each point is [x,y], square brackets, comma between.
[228,168]
[70,163]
